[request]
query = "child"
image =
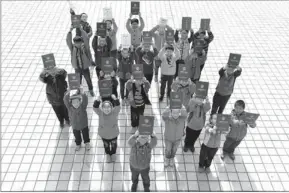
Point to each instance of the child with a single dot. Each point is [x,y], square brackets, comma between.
[80,58]
[188,88]
[138,98]
[183,44]
[125,61]
[108,128]
[159,36]
[207,40]
[85,25]
[238,130]
[145,56]
[210,145]
[101,47]
[195,61]
[174,129]
[56,86]
[132,26]
[76,105]
[168,55]
[198,108]
[140,158]
[113,79]
[225,88]
[111,33]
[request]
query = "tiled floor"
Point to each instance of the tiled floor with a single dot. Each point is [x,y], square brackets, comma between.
[38,156]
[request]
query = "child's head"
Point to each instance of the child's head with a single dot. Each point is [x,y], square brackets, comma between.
[143,139]
[108,24]
[146,47]
[169,50]
[176,113]
[198,99]
[202,35]
[184,34]
[102,41]
[83,17]
[239,106]
[106,107]
[213,119]
[161,30]
[77,41]
[76,102]
[134,23]
[230,69]
[184,82]
[125,52]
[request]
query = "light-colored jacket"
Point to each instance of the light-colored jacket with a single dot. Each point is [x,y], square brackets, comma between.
[187,90]
[174,128]
[135,34]
[212,140]
[169,69]
[107,124]
[197,114]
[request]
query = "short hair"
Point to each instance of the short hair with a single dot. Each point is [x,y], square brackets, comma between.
[203,32]
[240,103]
[108,21]
[170,48]
[77,39]
[135,20]
[106,102]
[83,14]
[185,30]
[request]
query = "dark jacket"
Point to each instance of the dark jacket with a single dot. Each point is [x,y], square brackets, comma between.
[101,51]
[146,59]
[226,83]
[207,39]
[86,27]
[131,87]
[56,85]
[125,65]
[183,46]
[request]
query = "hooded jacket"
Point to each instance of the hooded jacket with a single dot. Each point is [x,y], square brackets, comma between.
[131,87]
[146,59]
[125,65]
[226,83]
[78,117]
[212,140]
[56,85]
[187,90]
[107,123]
[174,128]
[197,114]
[140,155]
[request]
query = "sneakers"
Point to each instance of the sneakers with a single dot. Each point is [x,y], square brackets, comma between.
[147,190]
[161,98]
[133,130]
[232,156]
[107,158]
[208,170]
[167,162]
[192,149]
[201,169]
[87,146]
[113,157]
[91,93]
[172,162]
[223,156]
[77,148]
[185,149]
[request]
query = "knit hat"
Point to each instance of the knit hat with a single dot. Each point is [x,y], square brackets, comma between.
[134,20]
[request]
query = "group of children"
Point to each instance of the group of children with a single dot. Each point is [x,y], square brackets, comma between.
[70,107]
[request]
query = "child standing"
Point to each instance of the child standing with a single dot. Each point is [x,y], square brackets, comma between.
[168,55]
[145,56]
[195,61]
[108,128]
[76,106]
[132,26]
[140,158]
[238,130]
[188,88]
[210,145]
[138,98]
[159,36]
[198,108]
[125,61]
[111,32]
[56,86]
[174,130]
[225,87]
[85,25]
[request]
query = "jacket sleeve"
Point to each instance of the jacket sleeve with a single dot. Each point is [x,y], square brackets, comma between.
[116,106]
[153,30]
[115,28]
[169,27]
[191,105]
[211,37]
[132,141]
[42,77]
[66,99]
[174,87]
[176,36]
[191,38]
[128,27]
[207,107]
[177,52]
[237,73]
[222,72]
[84,101]
[147,86]
[192,88]
[94,44]
[184,113]
[109,43]
[161,54]
[166,114]
[156,52]
[69,41]
[142,24]
[96,108]
[153,142]
[138,54]
[85,40]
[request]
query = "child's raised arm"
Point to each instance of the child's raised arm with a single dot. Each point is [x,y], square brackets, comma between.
[191,38]
[116,104]
[69,40]
[207,105]
[154,141]
[142,24]
[96,105]
[211,36]
[166,114]
[132,140]
[128,27]
[66,99]
[115,28]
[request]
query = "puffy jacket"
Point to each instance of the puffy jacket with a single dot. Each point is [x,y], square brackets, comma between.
[174,128]
[107,124]
[78,117]
[226,83]
[187,90]
[56,85]
[140,155]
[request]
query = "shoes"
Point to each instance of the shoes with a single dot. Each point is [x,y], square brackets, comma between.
[107,158]
[201,169]
[77,148]
[167,162]
[113,157]
[232,156]
[192,149]
[161,98]
[87,146]
[208,170]
[133,130]
[91,93]
[172,162]
[133,187]
[223,156]
[147,190]
[185,149]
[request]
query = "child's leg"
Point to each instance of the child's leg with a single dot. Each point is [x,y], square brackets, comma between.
[114,87]
[223,103]
[229,146]
[157,65]
[86,75]
[149,77]
[85,135]
[216,103]
[168,149]
[77,136]
[113,146]
[163,85]
[134,178]
[203,156]
[58,111]
[188,139]
[201,67]
[211,154]
[80,73]
[146,179]
[175,147]
[65,113]
[122,85]
[195,136]
[134,116]
[170,82]
[106,145]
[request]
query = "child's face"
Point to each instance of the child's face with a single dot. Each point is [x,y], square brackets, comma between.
[75,103]
[161,30]
[84,17]
[169,52]
[238,109]
[183,82]
[146,47]
[108,24]
[124,53]
[106,108]
[134,25]
[198,100]
[214,119]
[143,139]
[175,113]
[201,36]
[184,34]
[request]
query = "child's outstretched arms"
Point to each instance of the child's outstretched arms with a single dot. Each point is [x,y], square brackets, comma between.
[96,105]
